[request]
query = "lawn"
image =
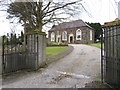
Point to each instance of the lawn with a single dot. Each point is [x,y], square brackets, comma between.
[96,44]
[55,50]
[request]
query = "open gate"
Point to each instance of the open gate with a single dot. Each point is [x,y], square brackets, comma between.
[13,53]
[110,55]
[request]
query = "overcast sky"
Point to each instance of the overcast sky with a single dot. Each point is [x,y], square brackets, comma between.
[99,11]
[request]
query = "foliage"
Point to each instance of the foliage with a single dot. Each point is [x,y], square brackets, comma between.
[96,44]
[54,43]
[98,29]
[13,39]
[22,37]
[63,43]
[54,50]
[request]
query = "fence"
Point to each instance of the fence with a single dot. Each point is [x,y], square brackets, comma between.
[110,52]
[16,56]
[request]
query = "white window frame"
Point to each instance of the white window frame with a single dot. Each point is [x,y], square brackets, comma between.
[63,36]
[52,36]
[58,36]
[90,34]
[78,34]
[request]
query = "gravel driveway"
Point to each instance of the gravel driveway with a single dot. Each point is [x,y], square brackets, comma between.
[81,66]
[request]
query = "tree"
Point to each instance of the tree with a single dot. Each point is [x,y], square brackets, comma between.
[34,15]
[22,36]
[98,29]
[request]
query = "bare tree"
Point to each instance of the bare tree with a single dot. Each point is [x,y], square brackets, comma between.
[34,15]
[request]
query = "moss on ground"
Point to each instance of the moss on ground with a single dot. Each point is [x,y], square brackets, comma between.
[36,31]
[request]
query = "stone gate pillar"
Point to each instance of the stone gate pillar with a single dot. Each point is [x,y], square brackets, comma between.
[36,48]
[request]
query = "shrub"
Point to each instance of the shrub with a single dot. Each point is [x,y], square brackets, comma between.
[63,43]
[54,43]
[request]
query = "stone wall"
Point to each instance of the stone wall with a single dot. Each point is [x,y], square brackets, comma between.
[36,47]
[73,31]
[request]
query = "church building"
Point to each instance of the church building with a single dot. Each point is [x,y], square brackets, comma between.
[71,32]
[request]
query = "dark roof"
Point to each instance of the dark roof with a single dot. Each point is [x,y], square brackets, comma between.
[72,24]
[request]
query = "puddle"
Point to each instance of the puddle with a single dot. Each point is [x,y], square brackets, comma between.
[74,75]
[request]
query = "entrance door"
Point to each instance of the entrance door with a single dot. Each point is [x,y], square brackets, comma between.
[71,39]
[58,39]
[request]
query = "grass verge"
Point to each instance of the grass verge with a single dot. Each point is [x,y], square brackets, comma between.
[96,44]
[50,51]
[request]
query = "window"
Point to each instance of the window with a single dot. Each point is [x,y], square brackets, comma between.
[90,34]
[64,35]
[52,36]
[78,34]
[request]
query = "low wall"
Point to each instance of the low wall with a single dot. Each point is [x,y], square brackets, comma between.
[58,56]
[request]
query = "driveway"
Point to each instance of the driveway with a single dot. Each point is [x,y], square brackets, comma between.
[81,66]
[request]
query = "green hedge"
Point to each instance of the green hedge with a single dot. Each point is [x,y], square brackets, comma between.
[54,43]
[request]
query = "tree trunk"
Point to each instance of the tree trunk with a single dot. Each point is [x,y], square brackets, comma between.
[25,35]
[40,27]
[24,38]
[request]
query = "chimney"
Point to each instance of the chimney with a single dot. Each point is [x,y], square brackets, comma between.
[119,10]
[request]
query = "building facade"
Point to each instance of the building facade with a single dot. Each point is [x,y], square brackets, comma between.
[71,32]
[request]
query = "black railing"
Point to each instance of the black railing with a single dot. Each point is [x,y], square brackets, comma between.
[110,55]
[17,56]
[13,53]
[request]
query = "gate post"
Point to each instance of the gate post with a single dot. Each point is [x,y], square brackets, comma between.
[36,47]
[3,64]
[102,55]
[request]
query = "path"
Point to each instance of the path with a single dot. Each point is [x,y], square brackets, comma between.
[75,70]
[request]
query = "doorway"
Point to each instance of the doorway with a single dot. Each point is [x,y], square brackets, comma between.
[71,39]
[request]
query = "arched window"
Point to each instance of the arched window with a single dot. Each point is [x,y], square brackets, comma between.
[52,36]
[64,35]
[78,34]
[90,34]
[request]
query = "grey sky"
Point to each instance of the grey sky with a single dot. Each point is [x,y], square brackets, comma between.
[99,11]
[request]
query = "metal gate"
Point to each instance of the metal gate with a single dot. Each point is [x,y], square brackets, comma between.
[16,56]
[110,55]
[13,53]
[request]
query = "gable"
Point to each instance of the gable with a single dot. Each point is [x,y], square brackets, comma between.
[68,25]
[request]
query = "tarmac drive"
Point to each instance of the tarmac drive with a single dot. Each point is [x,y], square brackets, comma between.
[81,66]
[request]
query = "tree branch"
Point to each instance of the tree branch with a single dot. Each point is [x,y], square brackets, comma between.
[60,7]
[47,6]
